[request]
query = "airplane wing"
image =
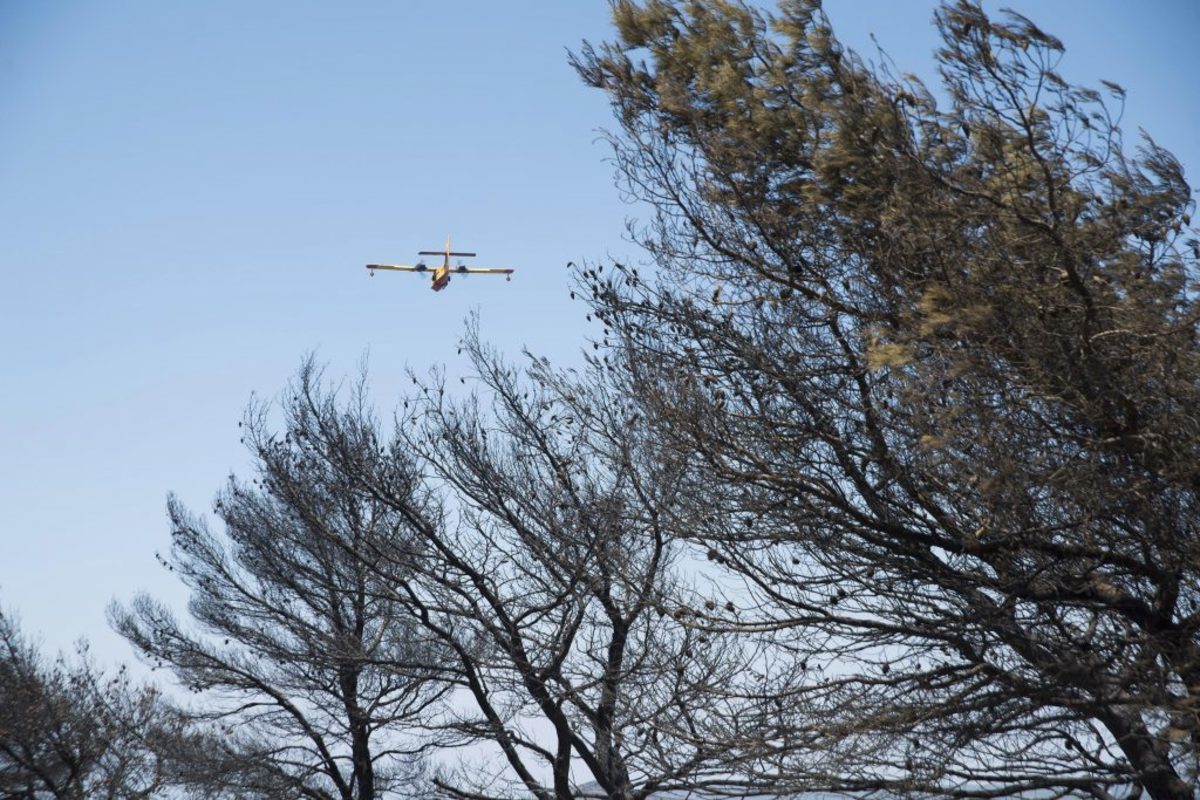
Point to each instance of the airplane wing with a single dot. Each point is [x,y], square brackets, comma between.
[399,267]
[482,270]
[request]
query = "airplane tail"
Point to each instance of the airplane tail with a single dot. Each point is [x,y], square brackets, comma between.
[447,252]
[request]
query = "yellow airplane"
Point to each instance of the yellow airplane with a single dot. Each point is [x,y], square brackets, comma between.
[441,275]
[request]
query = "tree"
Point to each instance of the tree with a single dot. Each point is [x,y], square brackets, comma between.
[68,731]
[542,574]
[313,681]
[934,370]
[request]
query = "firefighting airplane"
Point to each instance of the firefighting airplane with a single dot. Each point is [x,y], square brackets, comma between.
[441,275]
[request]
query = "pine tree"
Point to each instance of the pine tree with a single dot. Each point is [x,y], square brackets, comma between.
[934,365]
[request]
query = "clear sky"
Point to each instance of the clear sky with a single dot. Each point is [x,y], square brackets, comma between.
[188,192]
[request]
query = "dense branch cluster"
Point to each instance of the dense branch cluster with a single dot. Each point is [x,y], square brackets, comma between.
[69,731]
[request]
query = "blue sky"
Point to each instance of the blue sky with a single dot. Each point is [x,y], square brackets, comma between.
[189,192]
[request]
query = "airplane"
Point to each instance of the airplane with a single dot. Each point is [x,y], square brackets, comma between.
[441,275]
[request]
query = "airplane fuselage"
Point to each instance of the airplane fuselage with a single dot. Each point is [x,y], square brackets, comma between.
[441,277]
